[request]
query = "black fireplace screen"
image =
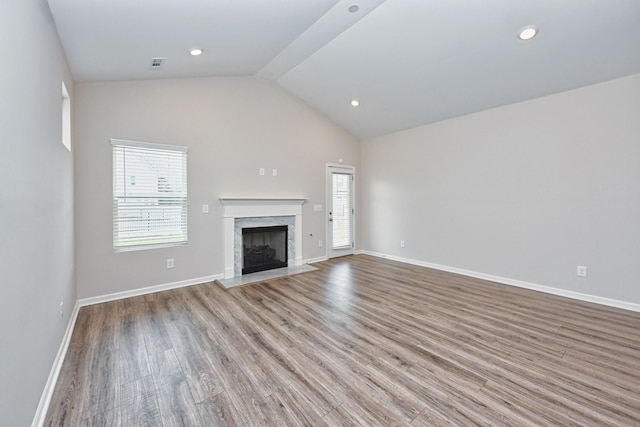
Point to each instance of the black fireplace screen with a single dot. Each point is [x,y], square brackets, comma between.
[264,248]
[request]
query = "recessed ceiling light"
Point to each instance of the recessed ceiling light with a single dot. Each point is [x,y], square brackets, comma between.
[353,8]
[196,51]
[528,32]
[355,103]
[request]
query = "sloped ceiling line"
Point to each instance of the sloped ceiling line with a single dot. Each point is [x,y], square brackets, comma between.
[408,62]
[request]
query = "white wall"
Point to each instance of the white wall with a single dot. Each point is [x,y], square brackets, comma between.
[232,126]
[525,192]
[36,207]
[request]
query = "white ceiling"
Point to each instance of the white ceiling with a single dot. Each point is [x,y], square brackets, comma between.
[408,62]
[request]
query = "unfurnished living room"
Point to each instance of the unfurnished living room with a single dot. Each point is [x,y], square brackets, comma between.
[320,213]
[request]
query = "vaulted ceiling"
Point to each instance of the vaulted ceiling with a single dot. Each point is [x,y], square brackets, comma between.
[407,62]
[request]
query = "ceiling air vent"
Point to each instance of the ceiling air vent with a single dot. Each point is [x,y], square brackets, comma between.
[157,63]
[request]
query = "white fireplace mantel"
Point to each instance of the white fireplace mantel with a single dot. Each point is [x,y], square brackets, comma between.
[245,207]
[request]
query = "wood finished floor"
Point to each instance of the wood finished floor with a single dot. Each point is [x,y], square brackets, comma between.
[361,341]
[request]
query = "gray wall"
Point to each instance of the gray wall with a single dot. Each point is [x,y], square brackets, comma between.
[36,207]
[526,192]
[232,126]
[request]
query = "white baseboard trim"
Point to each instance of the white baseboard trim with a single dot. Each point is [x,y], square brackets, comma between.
[47,393]
[313,260]
[45,399]
[513,282]
[148,290]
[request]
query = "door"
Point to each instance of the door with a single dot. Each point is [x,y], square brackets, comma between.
[341,211]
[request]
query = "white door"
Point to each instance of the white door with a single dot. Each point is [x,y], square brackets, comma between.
[341,211]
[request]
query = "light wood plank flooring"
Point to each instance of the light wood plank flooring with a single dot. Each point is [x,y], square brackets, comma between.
[361,341]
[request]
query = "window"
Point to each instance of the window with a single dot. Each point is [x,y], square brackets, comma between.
[342,210]
[66,118]
[149,194]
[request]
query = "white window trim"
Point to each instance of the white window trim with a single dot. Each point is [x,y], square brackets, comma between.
[152,146]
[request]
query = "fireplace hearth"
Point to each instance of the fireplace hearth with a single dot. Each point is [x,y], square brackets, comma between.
[264,248]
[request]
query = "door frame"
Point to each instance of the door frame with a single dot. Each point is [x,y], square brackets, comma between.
[331,167]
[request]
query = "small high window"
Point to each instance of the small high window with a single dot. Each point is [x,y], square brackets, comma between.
[66,118]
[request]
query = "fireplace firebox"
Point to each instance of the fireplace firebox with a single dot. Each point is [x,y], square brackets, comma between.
[264,248]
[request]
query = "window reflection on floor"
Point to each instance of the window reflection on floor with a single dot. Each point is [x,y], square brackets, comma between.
[340,289]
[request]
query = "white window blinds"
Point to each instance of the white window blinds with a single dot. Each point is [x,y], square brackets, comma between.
[342,213]
[149,194]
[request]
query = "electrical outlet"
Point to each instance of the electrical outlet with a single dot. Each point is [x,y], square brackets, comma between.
[320,243]
[402,243]
[581,271]
[61,310]
[170,263]
[205,208]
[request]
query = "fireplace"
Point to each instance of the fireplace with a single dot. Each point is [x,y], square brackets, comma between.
[264,248]
[240,212]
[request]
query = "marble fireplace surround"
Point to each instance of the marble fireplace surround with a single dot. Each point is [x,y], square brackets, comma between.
[255,211]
